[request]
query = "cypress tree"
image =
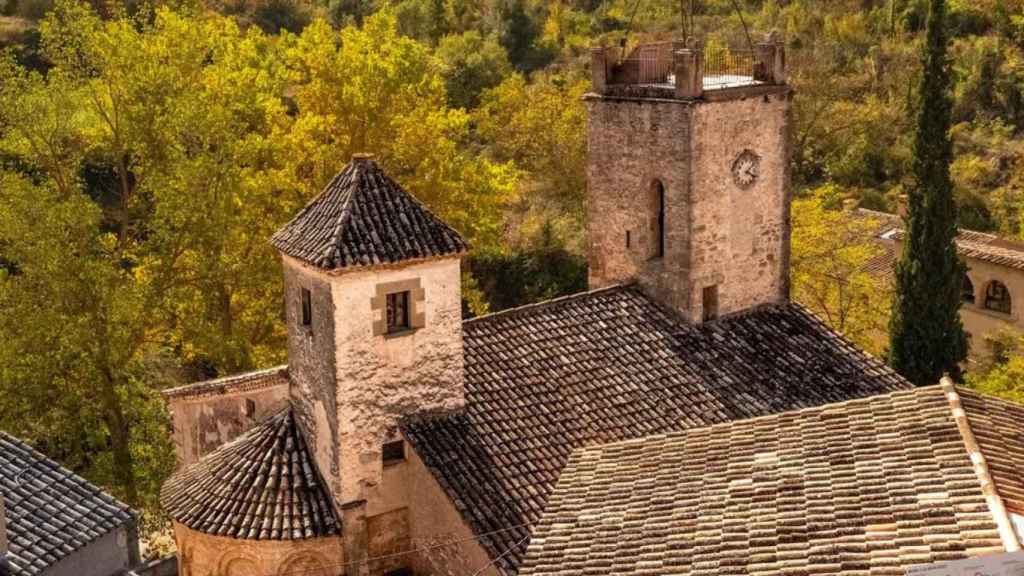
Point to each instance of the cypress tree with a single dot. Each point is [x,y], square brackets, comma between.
[926,336]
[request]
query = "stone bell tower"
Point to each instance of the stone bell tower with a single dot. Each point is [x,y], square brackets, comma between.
[688,175]
[373,309]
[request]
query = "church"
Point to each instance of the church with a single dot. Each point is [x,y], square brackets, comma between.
[403,439]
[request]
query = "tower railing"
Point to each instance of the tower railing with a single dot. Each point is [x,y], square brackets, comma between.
[686,69]
[731,67]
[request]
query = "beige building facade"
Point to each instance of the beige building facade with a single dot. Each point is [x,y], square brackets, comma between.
[993,288]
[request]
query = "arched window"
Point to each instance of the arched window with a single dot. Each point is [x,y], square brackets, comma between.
[997,297]
[657,212]
[967,290]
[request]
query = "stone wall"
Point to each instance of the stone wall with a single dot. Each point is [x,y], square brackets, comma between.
[631,144]
[436,528]
[201,554]
[351,382]
[311,364]
[717,234]
[204,416]
[740,240]
[384,377]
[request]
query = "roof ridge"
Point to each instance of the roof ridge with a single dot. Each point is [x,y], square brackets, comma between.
[346,204]
[223,380]
[980,465]
[551,301]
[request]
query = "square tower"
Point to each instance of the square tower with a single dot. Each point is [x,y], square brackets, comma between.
[688,176]
[374,313]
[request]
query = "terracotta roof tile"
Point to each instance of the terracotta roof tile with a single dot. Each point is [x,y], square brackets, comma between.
[970,244]
[609,365]
[264,485]
[270,377]
[51,512]
[865,487]
[365,218]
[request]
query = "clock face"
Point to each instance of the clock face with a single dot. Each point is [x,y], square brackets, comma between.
[746,168]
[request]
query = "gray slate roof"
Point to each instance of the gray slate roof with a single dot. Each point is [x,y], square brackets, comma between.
[264,485]
[611,365]
[365,218]
[51,512]
[864,487]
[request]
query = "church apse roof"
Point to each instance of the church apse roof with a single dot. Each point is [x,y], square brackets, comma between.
[264,485]
[612,365]
[364,218]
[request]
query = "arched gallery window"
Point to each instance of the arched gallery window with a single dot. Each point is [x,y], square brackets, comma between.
[997,297]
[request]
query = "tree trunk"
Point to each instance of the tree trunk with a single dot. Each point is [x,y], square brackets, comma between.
[120,434]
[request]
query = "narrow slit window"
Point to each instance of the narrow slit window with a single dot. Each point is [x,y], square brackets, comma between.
[393,452]
[661,220]
[398,312]
[710,302]
[629,239]
[250,408]
[656,205]
[307,308]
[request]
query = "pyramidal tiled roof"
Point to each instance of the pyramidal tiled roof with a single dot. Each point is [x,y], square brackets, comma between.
[364,218]
[51,512]
[262,486]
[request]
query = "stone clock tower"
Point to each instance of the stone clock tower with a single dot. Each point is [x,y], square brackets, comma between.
[688,176]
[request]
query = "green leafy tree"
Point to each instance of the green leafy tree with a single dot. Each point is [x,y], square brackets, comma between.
[372,90]
[830,255]
[158,142]
[471,64]
[927,337]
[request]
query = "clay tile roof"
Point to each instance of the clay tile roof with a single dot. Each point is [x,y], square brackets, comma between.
[969,244]
[264,485]
[365,218]
[609,365]
[998,427]
[270,377]
[869,486]
[51,512]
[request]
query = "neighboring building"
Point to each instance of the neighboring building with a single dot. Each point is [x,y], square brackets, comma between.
[867,486]
[207,415]
[54,523]
[995,277]
[412,440]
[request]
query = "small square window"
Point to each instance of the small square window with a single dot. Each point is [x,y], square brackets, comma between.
[398,312]
[393,452]
[250,408]
[307,308]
